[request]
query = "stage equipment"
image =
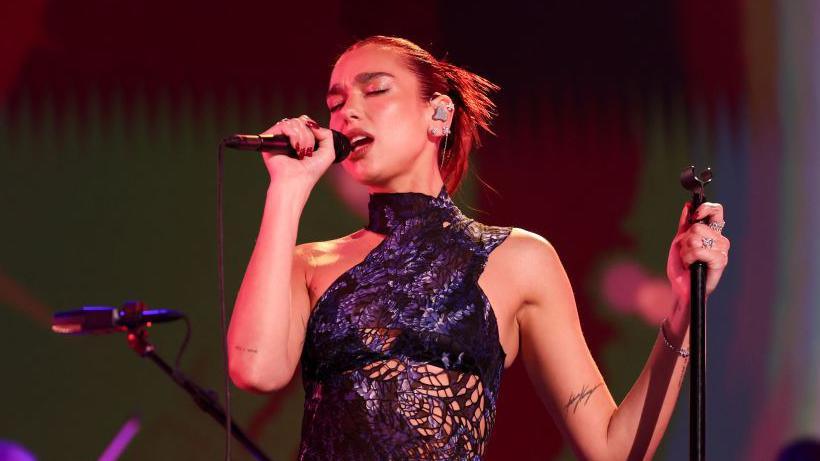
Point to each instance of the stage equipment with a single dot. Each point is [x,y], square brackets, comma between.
[697,392]
[273,144]
[280,144]
[133,320]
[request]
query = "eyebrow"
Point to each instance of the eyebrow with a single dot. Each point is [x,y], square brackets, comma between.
[362,78]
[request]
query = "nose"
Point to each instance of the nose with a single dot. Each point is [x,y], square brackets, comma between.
[343,118]
[350,113]
[352,108]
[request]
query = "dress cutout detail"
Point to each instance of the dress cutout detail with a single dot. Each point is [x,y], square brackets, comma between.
[402,358]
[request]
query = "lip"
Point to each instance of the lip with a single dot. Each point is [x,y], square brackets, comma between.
[350,134]
[359,153]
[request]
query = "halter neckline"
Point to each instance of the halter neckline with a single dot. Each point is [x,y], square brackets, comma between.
[388,210]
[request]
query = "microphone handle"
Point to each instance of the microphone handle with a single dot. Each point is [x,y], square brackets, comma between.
[280,144]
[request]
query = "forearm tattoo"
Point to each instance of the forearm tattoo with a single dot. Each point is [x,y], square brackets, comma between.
[246,349]
[579,398]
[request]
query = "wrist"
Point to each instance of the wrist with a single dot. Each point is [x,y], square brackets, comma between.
[672,344]
[293,190]
[676,326]
[288,198]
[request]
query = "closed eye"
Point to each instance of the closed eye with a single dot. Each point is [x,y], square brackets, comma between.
[335,107]
[338,106]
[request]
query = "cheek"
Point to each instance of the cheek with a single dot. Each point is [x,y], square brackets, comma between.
[401,129]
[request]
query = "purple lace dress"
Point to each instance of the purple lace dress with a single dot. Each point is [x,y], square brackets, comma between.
[402,358]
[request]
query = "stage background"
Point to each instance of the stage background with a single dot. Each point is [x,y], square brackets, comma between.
[110,113]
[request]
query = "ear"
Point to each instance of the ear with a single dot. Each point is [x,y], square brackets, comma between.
[441,111]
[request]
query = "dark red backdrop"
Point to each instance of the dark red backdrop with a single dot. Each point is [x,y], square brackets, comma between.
[565,159]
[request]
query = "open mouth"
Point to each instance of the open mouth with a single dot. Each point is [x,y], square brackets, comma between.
[360,143]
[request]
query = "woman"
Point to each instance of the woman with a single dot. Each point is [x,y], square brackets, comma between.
[404,328]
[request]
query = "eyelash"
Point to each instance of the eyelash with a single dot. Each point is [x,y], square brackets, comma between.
[369,93]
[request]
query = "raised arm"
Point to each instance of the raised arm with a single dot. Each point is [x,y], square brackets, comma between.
[267,326]
[566,377]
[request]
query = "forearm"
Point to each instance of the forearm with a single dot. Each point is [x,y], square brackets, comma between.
[260,322]
[638,424]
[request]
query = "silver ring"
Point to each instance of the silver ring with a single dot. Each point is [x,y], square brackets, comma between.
[717,226]
[284,120]
[707,242]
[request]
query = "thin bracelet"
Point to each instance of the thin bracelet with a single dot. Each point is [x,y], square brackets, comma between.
[679,350]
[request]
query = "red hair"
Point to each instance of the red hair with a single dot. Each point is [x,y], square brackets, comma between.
[474,110]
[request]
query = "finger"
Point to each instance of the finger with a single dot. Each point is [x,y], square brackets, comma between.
[703,230]
[714,260]
[309,141]
[709,212]
[692,240]
[303,136]
[683,222]
[275,129]
[322,135]
[290,129]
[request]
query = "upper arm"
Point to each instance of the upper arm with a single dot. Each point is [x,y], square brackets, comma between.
[555,352]
[301,271]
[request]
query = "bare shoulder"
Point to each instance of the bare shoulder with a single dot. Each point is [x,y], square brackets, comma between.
[524,249]
[522,241]
[314,253]
[324,261]
[530,263]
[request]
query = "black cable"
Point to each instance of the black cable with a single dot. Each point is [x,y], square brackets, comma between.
[184,343]
[220,275]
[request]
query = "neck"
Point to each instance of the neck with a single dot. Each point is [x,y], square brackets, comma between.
[424,187]
[424,178]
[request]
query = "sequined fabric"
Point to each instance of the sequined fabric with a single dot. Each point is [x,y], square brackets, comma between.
[402,358]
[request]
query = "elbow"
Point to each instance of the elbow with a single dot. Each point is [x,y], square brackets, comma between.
[252,379]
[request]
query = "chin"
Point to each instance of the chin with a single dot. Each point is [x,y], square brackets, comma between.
[375,168]
[362,170]
[367,172]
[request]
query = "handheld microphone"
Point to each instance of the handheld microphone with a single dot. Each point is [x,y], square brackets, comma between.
[280,144]
[103,319]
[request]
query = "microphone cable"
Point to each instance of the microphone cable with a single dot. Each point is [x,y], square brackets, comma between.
[185,340]
[220,276]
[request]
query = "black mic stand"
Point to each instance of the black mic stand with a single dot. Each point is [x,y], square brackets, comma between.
[206,400]
[697,392]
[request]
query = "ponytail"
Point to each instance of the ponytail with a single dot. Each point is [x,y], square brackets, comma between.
[474,112]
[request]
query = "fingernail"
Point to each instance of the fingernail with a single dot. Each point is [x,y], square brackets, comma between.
[310,152]
[311,124]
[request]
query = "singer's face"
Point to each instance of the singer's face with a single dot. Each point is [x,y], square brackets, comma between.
[374,99]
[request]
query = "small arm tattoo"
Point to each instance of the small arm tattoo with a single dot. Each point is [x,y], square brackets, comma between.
[682,375]
[246,349]
[581,397]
